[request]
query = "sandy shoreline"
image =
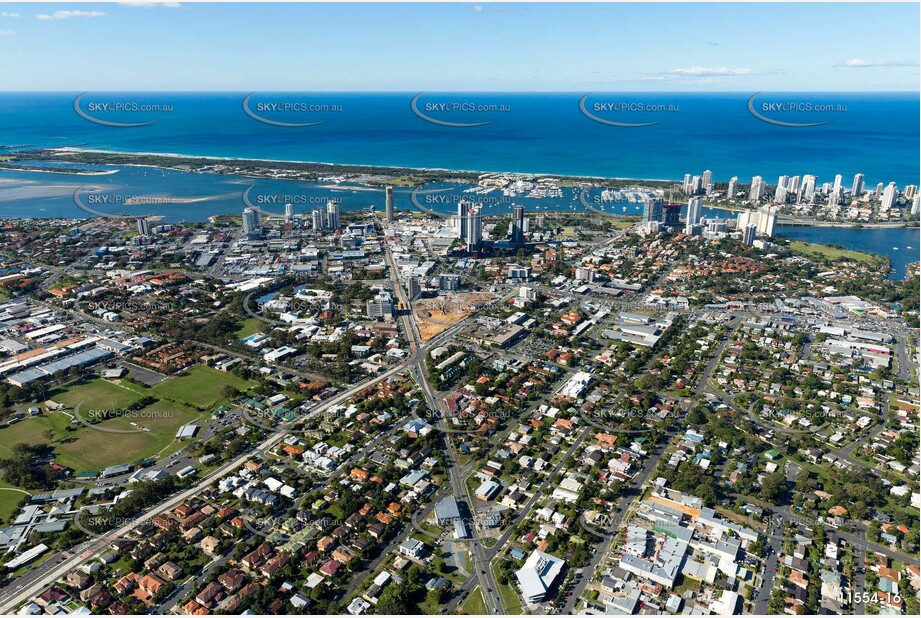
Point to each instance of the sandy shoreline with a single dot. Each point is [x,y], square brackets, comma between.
[176,155]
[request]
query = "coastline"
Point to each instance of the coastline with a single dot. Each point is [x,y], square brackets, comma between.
[386,168]
[416,176]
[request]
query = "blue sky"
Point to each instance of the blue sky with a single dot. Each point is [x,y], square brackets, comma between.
[457,47]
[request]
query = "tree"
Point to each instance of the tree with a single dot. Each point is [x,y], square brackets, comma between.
[774,487]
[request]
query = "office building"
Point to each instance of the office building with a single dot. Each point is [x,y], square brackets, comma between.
[537,576]
[388,203]
[449,282]
[415,290]
[381,306]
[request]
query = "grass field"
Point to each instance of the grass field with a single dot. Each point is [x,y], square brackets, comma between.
[508,595]
[200,386]
[82,448]
[9,500]
[829,253]
[249,326]
[474,604]
[100,394]
[147,432]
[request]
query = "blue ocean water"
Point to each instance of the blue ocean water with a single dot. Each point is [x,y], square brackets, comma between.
[875,134]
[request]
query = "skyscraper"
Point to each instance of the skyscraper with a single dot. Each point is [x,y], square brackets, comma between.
[462,207]
[809,187]
[474,228]
[733,187]
[857,187]
[694,205]
[652,211]
[837,181]
[143,227]
[706,180]
[890,195]
[696,184]
[518,225]
[250,222]
[671,215]
[317,219]
[415,290]
[332,214]
[757,189]
[767,219]
[879,189]
[686,185]
[388,203]
[910,191]
[780,193]
[289,213]
[749,233]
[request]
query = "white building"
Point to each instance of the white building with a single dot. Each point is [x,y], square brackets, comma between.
[537,575]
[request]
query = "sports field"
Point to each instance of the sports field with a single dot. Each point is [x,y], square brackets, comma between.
[101,394]
[133,435]
[200,387]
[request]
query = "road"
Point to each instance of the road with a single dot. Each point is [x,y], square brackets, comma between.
[36,580]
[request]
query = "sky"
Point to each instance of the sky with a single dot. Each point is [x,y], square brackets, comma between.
[458,47]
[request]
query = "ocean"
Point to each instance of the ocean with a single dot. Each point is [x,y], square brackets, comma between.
[876,135]
[547,133]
